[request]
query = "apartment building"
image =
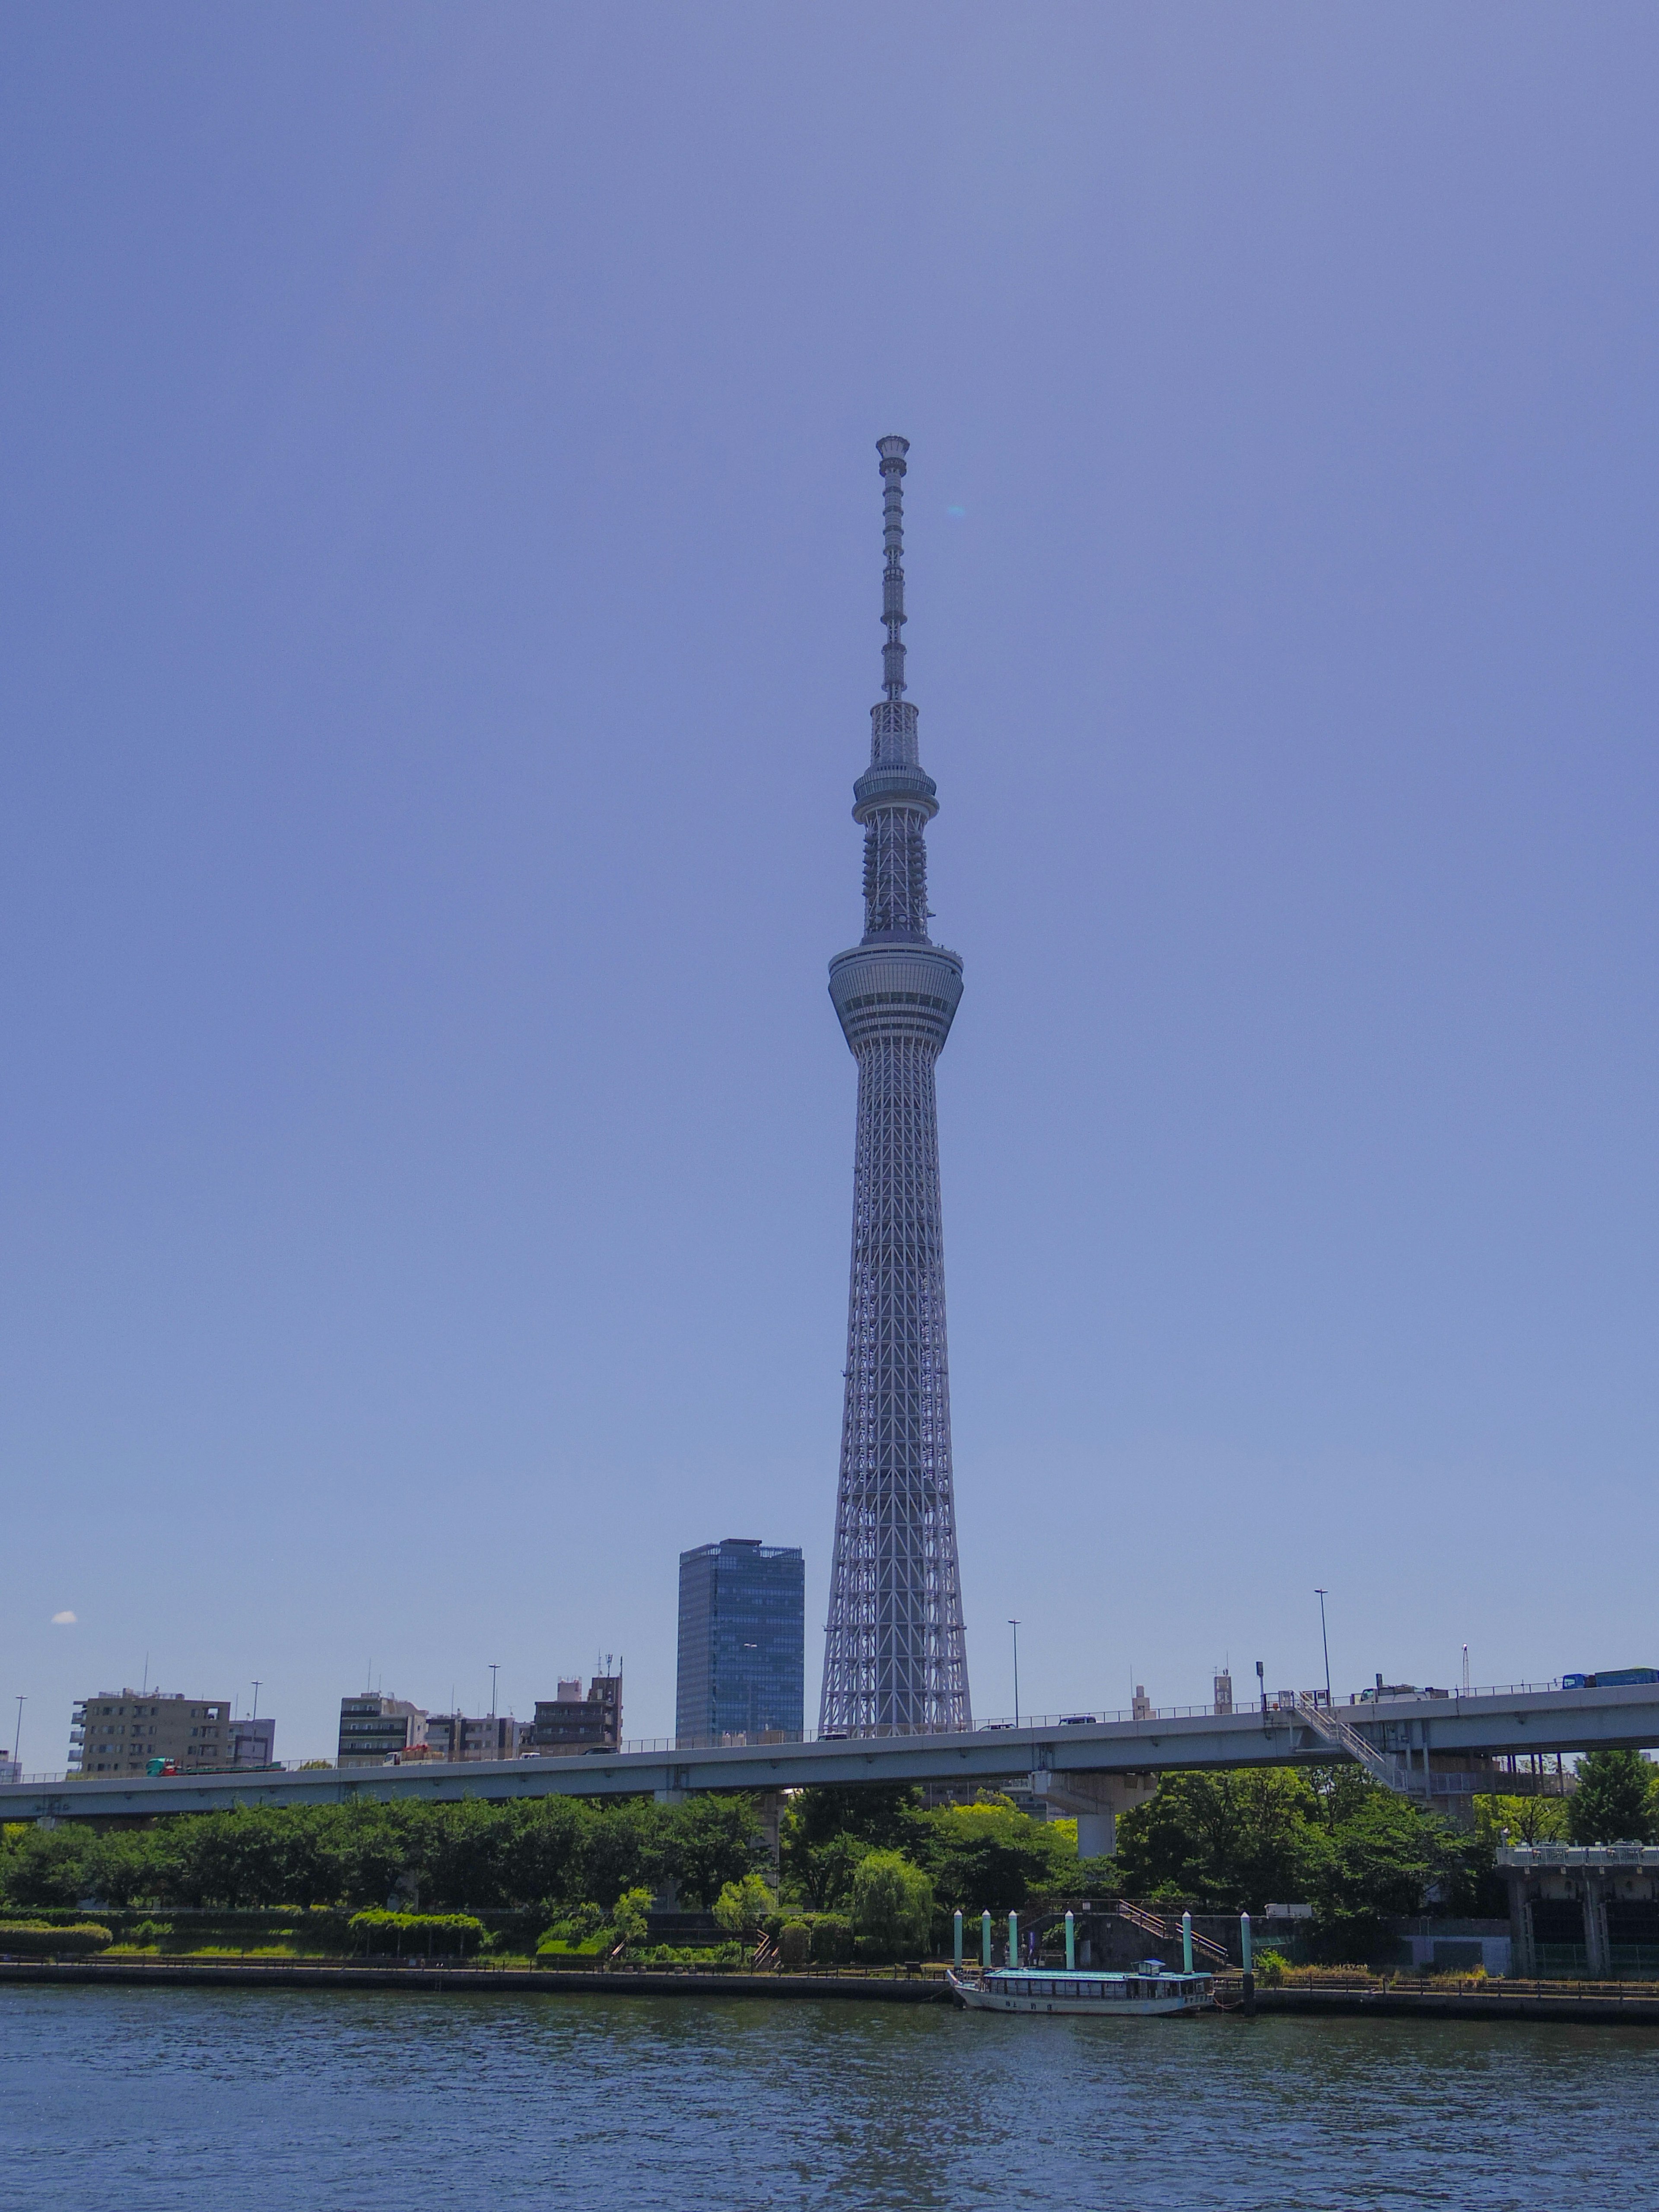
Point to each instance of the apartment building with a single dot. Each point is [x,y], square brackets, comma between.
[571,1722]
[373,1729]
[122,1731]
[462,1735]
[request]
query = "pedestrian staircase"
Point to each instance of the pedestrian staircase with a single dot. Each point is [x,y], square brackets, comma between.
[1169,1931]
[1391,1772]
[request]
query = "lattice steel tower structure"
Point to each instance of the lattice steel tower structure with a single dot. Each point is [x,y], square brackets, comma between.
[895,1660]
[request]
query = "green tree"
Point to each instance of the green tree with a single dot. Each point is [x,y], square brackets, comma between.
[47,1866]
[989,1857]
[1529,1819]
[1232,1839]
[826,1831]
[743,1905]
[628,1915]
[542,1852]
[469,1856]
[1380,1860]
[711,1841]
[624,1847]
[1614,1802]
[892,1906]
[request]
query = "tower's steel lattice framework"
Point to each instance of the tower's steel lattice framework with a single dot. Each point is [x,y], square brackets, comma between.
[895,1660]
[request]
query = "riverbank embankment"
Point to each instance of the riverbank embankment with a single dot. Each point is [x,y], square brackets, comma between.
[874,1986]
[1587,2003]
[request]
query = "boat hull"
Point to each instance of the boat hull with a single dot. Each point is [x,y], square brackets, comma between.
[1104,1997]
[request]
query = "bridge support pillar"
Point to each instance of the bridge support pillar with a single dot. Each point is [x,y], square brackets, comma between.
[768,1804]
[1597,1959]
[1097,1800]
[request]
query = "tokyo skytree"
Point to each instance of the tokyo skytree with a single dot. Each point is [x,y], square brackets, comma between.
[895,1660]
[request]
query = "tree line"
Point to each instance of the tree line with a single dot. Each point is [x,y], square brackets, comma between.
[550,1852]
[1224,1842]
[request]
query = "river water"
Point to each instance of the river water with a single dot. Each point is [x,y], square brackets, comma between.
[133,2100]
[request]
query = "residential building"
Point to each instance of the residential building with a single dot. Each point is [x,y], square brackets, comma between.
[459,1735]
[375,1729]
[253,1742]
[571,1722]
[742,1643]
[121,1731]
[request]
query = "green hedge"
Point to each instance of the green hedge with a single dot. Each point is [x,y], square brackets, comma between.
[421,1932]
[38,1939]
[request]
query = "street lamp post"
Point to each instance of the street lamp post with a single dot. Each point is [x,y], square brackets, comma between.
[18,1737]
[494,1669]
[1014,1624]
[254,1715]
[1322,1595]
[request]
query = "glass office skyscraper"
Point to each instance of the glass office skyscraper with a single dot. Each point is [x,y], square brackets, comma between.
[743,1640]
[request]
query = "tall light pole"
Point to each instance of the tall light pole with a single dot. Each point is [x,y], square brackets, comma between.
[18,1737]
[494,1669]
[1326,1641]
[1014,1624]
[254,1715]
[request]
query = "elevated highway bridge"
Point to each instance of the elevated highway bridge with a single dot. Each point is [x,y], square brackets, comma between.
[1088,1765]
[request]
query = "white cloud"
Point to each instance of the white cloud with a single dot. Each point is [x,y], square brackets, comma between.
[62,1620]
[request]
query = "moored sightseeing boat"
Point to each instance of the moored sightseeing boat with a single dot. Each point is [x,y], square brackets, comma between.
[1151,1987]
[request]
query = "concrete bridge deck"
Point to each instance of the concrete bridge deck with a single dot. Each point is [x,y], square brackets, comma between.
[1494,1721]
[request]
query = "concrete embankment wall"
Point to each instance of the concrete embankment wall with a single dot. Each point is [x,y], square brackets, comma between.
[1497,2001]
[870,1988]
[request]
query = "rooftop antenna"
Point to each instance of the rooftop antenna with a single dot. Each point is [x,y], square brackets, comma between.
[254,1715]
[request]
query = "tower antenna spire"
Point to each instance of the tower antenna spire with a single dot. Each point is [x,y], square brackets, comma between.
[892,451]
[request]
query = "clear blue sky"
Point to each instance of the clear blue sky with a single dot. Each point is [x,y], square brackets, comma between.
[441,619]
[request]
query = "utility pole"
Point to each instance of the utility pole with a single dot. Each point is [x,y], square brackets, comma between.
[1014,1624]
[1322,1595]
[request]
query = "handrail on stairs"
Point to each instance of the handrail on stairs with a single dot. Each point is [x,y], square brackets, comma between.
[1377,1764]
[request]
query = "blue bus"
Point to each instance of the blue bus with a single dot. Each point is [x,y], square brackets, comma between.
[1616,1680]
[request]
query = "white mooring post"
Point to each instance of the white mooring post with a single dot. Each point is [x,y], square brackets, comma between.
[1070,1945]
[956,1931]
[984,1941]
[1186,1942]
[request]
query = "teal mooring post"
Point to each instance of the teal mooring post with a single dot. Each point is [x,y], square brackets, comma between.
[1186,1942]
[984,1941]
[957,1931]
[1246,1956]
[1070,1945]
[1013,1939]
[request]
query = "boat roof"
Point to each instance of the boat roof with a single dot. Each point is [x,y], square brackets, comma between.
[1096,1974]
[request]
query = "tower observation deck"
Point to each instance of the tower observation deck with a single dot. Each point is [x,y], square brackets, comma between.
[895,1659]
